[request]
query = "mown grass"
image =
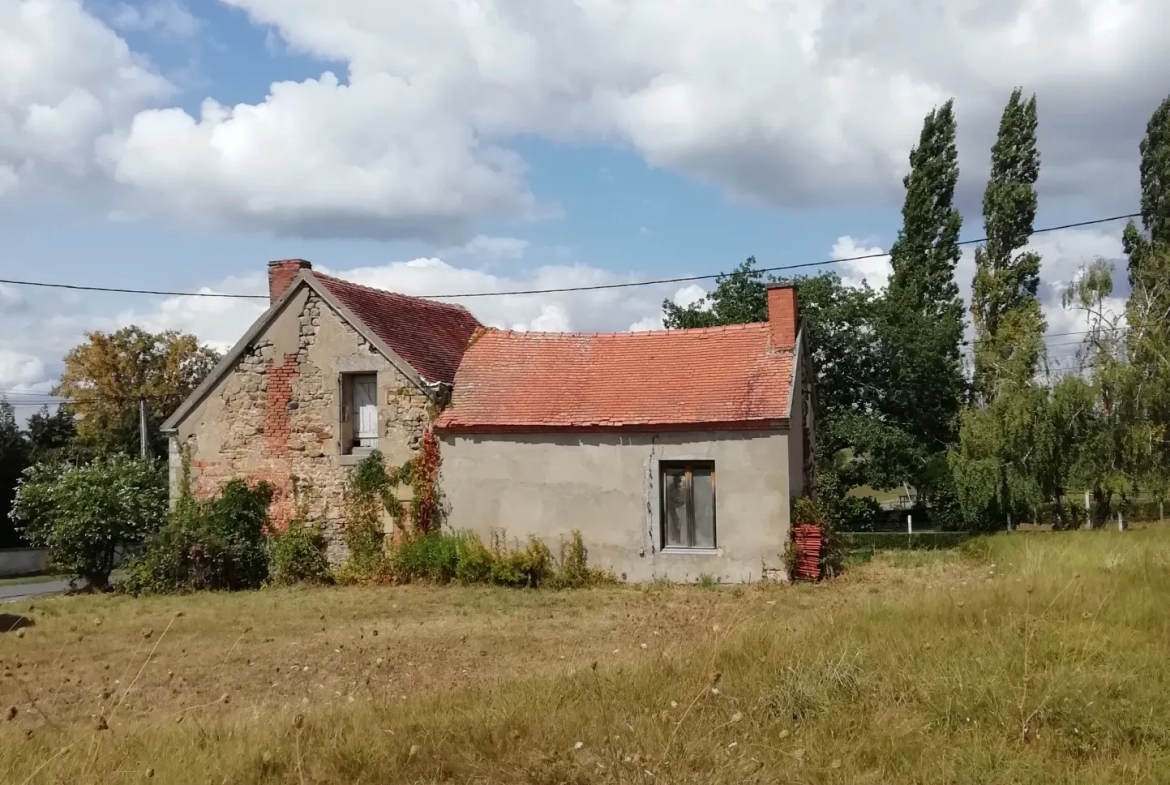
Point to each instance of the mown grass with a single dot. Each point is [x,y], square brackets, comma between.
[1018,658]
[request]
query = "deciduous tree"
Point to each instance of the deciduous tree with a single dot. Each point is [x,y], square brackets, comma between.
[921,321]
[107,374]
[1000,455]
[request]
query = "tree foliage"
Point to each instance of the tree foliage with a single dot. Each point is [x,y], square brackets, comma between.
[106,376]
[52,435]
[1000,463]
[921,321]
[84,513]
[14,454]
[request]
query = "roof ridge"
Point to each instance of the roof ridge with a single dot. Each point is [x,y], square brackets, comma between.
[376,290]
[632,333]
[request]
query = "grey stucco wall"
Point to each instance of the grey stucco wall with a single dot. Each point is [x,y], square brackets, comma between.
[607,486]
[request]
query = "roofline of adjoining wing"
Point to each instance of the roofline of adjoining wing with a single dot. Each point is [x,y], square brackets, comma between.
[304,278]
[769,424]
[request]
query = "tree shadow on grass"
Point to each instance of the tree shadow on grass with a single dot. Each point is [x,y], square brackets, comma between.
[11,621]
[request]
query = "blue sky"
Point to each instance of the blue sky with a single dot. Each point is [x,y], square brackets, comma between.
[489,146]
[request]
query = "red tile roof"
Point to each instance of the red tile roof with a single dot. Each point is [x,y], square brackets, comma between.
[729,376]
[429,335]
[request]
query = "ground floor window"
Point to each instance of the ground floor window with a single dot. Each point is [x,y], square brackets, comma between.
[688,504]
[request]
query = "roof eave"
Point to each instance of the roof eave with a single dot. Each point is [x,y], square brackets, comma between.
[763,424]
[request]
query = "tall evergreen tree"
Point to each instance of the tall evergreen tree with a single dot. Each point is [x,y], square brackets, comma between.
[922,321]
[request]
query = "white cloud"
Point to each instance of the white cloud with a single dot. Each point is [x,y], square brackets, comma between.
[691,294]
[785,103]
[169,17]
[33,344]
[19,371]
[67,79]
[874,271]
[374,157]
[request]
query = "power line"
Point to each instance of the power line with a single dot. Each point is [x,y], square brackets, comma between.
[558,290]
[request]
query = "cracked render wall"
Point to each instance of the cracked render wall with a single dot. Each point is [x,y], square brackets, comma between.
[276,416]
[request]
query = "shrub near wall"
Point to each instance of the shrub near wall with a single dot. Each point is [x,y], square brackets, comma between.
[213,544]
[464,558]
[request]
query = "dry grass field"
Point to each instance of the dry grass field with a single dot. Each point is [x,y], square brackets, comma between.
[1021,658]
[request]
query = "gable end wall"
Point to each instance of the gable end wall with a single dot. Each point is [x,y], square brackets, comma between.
[275,416]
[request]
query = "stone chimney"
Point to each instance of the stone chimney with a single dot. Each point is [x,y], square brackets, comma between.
[783,316]
[281,274]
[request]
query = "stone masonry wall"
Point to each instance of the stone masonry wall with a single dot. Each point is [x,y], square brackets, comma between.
[276,417]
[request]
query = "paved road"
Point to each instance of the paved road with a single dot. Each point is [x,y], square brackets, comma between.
[21,591]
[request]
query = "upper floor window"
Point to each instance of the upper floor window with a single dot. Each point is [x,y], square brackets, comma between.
[359,393]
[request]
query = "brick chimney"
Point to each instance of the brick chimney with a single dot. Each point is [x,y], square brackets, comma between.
[281,274]
[783,316]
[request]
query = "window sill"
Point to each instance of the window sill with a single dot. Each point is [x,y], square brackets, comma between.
[692,551]
[355,457]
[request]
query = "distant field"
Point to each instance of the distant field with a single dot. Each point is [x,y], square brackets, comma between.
[1018,658]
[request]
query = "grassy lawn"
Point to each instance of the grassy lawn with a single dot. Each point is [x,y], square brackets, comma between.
[1020,658]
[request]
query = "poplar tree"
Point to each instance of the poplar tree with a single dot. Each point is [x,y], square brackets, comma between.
[1002,437]
[922,319]
[1148,309]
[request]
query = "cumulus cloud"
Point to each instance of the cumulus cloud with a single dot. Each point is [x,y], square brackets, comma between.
[19,371]
[778,103]
[874,271]
[409,134]
[68,79]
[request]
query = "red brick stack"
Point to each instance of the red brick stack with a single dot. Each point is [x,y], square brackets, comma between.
[807,537]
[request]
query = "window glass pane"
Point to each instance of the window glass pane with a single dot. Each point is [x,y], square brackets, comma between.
[703,488]
[674,508]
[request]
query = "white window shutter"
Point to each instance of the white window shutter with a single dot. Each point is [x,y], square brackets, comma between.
[365,408]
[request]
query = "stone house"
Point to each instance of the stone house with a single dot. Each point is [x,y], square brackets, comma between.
[619,436]
[675,453]
[329,372]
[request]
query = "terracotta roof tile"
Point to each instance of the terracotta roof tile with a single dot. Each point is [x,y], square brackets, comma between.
[429,335]
[721,375]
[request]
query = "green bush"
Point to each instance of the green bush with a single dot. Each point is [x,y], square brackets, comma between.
[432,557]
[213,544]
[573,570]
[525,567]
[367,493]
[475,560]
[858,513]
[298,556]
[463,557]
[83,514]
